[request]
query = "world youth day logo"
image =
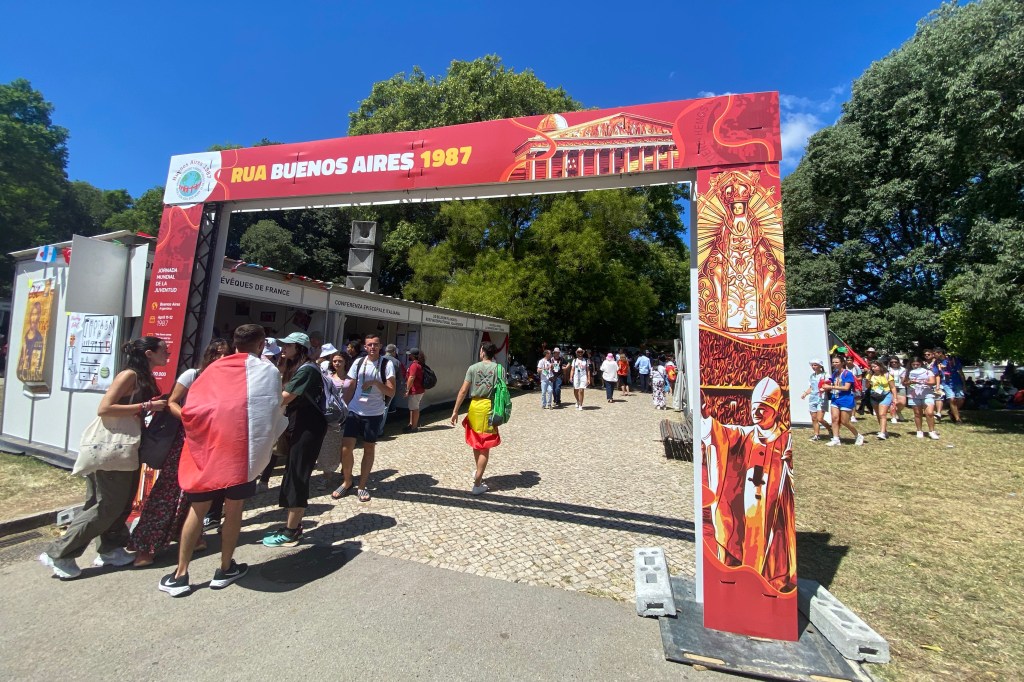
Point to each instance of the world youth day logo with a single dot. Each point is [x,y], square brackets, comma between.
[191,178]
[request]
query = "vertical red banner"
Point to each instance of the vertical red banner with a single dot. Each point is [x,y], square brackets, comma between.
[167,302]
[749,538]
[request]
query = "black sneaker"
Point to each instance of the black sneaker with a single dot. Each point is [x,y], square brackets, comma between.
[222,578]
[176,587]
[210,523]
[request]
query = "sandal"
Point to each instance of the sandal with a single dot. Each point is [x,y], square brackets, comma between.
[364,495]
[341,491]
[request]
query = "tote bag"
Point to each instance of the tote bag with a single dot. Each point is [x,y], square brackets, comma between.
[109,444]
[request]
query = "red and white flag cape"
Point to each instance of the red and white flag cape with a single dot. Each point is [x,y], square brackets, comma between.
[232,418]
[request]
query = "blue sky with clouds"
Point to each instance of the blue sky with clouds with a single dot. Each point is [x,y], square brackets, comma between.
[136,83]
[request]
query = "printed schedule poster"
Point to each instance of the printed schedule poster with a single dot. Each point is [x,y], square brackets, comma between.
[91,352]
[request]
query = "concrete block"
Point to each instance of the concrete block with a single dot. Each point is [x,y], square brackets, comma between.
[653,589]
[850,635]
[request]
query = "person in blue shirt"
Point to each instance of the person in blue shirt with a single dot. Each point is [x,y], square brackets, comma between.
[643,370]
[950,371]
[841,385]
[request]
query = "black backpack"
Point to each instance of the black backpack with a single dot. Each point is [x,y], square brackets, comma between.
[429,378]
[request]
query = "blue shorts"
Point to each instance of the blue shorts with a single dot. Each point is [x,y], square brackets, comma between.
[951,392]
[844,402]
[815,404]
[920,402]
[358,426]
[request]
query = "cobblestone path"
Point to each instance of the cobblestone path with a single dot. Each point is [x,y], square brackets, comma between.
[572,493]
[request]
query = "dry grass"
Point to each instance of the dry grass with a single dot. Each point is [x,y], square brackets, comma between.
[923,539]
[28,486]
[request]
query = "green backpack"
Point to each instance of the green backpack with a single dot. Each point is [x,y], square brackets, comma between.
[501,402]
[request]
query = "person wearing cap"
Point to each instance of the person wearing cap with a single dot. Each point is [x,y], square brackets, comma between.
[813,394]
[558,365]
[271,351]
[327,351]
[610,375]
[580,377]
[302,396]
[373,381]
[414,389]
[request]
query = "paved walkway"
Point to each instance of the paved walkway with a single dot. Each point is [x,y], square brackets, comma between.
[572,494]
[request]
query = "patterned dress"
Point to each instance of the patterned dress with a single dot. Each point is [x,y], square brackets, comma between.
[165,508]
[658,387]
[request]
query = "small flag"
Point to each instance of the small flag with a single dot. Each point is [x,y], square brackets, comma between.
[46,254]
[67,255]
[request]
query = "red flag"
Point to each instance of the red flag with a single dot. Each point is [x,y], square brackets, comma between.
[67,254]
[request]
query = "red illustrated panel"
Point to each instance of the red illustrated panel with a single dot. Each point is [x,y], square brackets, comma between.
[749,538]
[634,139]
[164,314]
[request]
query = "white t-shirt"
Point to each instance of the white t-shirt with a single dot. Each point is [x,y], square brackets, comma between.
[544,368]
[369,401]
[920,383]
[579,366]
[898,374]
[609,370]
[187,377]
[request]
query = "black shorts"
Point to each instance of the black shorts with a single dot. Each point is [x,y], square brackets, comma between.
[357,426]
[242,491]
[622,380]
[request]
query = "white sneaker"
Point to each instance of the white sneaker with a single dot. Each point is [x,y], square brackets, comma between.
[920,434]
[853,418]
[834,442]
[579,407]
[115,557]
[894,420]
[479,489]
[934,435]
[65,569]
[860,439]
[814,439]
[880,436]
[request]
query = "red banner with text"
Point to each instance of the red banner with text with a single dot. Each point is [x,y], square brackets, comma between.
[166,304]
[634,139]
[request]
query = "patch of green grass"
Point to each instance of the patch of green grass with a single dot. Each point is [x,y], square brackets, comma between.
[28,486]
[923,540]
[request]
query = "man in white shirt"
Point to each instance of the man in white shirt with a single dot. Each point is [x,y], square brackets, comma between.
[373,381]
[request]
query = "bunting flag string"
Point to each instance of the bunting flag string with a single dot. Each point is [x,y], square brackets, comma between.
[288,276]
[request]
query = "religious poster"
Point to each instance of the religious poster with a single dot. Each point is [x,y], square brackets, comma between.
[749,533]
[91,352]
[35,342]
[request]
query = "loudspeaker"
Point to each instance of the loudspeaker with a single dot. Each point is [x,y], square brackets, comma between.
[362,262]
[361,282]
[365,233]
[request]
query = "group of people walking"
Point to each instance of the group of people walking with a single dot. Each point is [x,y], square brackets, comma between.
[656,376]
[883,390]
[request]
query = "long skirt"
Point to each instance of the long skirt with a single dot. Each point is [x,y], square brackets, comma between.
[658,391]
[165,508]
[479,434]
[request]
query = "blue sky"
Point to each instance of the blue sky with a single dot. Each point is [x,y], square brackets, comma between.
[136,83]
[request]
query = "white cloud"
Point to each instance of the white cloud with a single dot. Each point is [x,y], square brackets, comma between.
[796,128]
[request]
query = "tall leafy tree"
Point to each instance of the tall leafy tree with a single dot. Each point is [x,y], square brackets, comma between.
[33,156]
[269,244]
[902,215]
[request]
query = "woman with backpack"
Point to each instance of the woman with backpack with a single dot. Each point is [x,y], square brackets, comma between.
[109,493]
[843,401]
[307,426]
[481,436]
[414,389]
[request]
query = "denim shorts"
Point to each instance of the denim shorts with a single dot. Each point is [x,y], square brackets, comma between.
[950,392]
[815,404]
[927,400]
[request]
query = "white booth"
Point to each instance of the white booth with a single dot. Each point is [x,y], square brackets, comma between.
[807,339]
[69,320]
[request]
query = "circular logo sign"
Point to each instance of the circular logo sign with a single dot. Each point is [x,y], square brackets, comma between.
[190,183]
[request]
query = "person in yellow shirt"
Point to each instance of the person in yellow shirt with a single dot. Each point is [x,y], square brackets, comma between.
[883,391]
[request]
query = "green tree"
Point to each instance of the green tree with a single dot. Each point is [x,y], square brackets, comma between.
[901,213]
[33,156]
[267,243]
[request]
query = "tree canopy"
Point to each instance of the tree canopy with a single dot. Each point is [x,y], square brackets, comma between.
[906,216]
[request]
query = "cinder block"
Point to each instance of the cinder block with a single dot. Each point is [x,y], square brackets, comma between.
[850,635]
[653,589]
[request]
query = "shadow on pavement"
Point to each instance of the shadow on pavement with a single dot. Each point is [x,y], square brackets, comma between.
[297,569]
[422,488]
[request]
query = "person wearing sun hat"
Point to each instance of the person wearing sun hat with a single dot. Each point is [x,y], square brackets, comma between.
[609,373]
[327,351]
[813,393]
[307,427]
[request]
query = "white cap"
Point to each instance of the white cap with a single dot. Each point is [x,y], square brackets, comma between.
[556,350]
[271,347]
[327,349]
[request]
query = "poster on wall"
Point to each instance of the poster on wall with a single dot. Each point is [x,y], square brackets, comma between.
[91,355]
[32,363]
